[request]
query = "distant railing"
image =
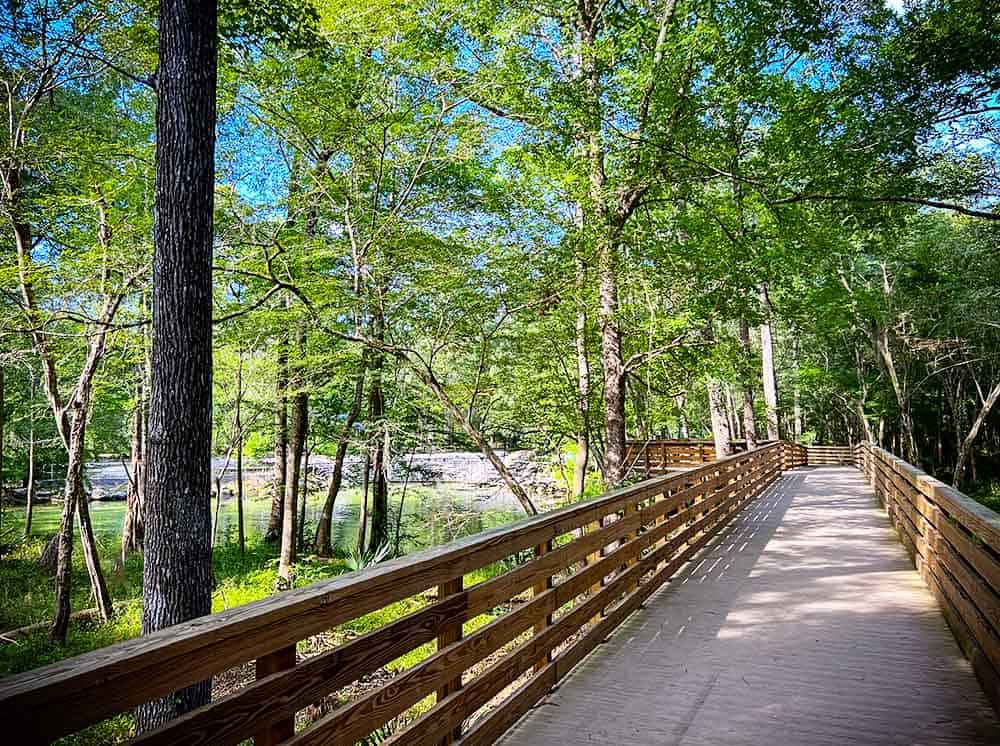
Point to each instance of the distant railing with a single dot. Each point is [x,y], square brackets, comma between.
[955,545]
[562,582]
[654,457]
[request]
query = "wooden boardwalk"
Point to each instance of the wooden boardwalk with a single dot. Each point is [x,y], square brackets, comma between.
[805,623]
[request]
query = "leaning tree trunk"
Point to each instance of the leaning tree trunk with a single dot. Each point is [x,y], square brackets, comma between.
[965,447]
[75,506]
[720,424]
[324,547]
[177,574]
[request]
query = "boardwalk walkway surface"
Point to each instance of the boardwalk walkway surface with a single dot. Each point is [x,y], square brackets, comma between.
[805,623]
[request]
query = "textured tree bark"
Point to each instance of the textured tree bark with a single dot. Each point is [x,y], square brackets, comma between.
[720,425]
[767,369]
[300,427]
[323,531]
[749,417]
[280,442]
[177,577]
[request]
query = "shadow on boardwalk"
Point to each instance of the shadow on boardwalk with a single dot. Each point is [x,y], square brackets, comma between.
[804,623]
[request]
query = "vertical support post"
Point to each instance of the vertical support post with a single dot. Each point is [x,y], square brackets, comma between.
[450,633]
[281,730]
[631,509]
[645,453]
[540,551]
[593,559]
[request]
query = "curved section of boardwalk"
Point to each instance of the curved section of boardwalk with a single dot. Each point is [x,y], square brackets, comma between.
[804,624]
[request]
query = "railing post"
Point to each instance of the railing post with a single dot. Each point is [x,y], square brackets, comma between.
[540,551]
[450,633]
[281,730]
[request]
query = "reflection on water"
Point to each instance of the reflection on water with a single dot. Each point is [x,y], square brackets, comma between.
[432,514]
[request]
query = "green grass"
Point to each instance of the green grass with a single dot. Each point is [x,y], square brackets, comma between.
[988,494]
[27,591]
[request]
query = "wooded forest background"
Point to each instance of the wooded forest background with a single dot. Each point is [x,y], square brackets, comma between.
[499,226]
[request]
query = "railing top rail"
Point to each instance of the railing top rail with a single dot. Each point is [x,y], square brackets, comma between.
[975,516]
[154,665]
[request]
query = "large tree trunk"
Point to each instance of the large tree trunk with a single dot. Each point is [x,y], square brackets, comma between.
[274,531]
[749,417]
[324,547]
[767,367]
[965,447]
[300,427]
[177,576]
[720,425]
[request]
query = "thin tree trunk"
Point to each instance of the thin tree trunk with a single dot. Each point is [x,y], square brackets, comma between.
[428,379]
[402,500]
[75,506]
[29,507]
[177,575]
[300,426]
[749,416]
[239,456]
[582,387]
[3,405]
[304,494]
[380,485]
[363,514]
[682,422]
[720,425]
[323,531]
[965,447]
[274,527]
[132,528]
[767,369]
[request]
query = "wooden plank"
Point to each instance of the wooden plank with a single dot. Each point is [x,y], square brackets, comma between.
[278,730]
[235,717]
[540,551]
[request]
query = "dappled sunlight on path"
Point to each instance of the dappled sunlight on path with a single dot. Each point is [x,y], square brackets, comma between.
[805,623]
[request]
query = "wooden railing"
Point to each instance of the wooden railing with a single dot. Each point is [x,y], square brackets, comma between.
[955,545]
[653,457]
[551,587]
